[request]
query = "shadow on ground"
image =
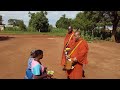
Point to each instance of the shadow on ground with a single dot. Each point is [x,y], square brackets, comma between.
[3,38]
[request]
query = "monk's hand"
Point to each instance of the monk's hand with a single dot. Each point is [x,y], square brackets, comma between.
[75,59]
[68,57]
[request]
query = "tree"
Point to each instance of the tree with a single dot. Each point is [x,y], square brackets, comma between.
[39,21]
[17,22]
[84,22]
[114,18]
[88,21]
[0,19]
[50,28]
[12,22]
[63,22]
[21,25]
[111,18]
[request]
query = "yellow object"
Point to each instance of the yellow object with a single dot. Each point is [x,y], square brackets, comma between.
[67,49]
[69,39]
[75,48]
[50,72]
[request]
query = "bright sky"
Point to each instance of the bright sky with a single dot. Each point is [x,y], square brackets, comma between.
[52,16]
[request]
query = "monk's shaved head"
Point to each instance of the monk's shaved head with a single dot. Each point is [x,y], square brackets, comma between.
[77,35]
[70,29]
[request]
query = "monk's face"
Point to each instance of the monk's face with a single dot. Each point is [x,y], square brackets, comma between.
[77,36]
[70,30]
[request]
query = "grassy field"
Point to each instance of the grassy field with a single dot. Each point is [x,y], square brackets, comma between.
[54,32]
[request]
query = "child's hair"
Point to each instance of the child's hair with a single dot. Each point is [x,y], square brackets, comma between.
[32,52]
[38,52]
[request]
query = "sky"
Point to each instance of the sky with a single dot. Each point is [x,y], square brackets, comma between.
[52,16]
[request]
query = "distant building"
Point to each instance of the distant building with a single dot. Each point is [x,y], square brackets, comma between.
[106,28]
[2,27]
[8,25]
[109,27]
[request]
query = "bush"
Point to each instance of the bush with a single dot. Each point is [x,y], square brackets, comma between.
[58,32]
[108,39]
[12,29]
[31,29]
[117,36]
[50,28]
[87,37]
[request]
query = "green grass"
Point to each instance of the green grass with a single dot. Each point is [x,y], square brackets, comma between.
[17,32]
[54,32]
[57,32]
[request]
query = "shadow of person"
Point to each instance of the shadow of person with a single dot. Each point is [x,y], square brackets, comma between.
[3,38]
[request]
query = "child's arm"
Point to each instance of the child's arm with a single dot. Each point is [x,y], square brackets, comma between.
[42,76]
[37,74]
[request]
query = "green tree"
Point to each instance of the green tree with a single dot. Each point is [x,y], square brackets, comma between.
[63,22]
[89,20]
[39,21]
[21,25]
[50,28]
[18,23]
[12,22]
[109,18]
[83,22]
[114,18]
[0,19]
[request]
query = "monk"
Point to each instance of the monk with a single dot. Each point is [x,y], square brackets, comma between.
[78,57]
[67,44]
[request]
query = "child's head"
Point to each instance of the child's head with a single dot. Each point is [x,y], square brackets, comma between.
[32,53]
[39,54]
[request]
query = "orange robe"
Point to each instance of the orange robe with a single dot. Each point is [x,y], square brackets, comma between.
[69,45]
[81,55]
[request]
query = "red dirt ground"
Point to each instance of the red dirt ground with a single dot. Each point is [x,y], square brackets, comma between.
[104,57]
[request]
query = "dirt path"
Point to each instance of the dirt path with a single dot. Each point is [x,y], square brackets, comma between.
[104,57]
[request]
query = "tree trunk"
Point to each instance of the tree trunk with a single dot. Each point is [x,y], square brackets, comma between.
[92,32]
[115,23]
[114,32]
[39,30]
[103,33]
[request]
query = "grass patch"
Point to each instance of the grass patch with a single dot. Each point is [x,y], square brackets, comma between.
[54,32]
[57,32]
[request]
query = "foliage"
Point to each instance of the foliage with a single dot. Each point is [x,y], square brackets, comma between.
[0,19]
[63,22]
[17,23]
[39,21]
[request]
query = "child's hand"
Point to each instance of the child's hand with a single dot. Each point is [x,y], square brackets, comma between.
[45,74]
[45,68]
[50,72]
[49,75]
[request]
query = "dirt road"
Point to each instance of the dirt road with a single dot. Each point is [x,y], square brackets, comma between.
[104,57]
